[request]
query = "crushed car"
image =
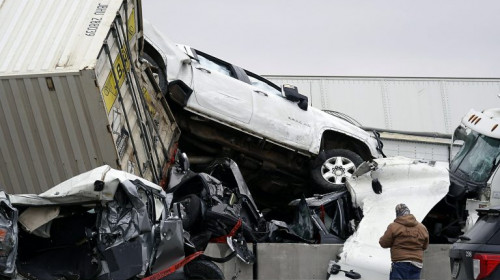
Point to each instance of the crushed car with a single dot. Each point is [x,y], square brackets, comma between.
[355,217]
[102,224]
[282,145]
[109,224]
[217,203]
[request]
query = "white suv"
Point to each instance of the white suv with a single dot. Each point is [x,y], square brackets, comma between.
[223,109]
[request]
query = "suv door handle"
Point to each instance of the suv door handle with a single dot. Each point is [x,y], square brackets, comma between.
[261,92]
[204,70]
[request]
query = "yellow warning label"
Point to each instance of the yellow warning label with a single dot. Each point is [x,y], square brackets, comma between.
[131,25]
[149,101]
[109,91]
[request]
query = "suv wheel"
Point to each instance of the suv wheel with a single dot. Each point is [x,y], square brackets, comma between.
[332,168]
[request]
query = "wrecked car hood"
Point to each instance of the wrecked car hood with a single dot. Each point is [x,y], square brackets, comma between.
[107,219]
[420,185]
[99,184]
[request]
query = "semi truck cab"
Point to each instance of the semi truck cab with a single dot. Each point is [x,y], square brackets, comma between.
[474,170]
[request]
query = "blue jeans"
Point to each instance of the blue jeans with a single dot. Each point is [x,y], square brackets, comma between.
[404,270]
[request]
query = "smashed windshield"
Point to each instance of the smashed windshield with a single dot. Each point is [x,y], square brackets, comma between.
[476,158]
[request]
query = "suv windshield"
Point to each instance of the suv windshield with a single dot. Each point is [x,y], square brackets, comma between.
[476,158]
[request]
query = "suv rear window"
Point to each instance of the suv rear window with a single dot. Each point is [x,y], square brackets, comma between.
[486,230]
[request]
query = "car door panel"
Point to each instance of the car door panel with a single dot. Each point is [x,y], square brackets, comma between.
[229,98]
[280,119]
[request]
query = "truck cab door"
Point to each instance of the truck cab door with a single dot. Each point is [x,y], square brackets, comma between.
[495,187]
[278,118]
[218,92]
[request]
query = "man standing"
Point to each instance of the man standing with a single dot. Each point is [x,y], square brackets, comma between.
[407,239]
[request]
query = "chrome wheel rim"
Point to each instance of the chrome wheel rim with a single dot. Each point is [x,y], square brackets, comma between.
[336,170]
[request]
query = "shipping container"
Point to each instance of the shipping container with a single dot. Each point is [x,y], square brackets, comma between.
[410,104]
[74,94]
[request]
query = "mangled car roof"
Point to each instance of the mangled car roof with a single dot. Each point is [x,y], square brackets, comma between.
[99,184]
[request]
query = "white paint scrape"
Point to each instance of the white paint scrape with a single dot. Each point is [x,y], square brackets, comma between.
[419,185]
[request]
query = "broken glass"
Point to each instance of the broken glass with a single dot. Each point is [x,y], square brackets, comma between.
[477,157]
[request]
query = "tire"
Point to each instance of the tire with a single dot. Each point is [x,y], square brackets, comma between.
[162,77]
[203,269]
[332,168]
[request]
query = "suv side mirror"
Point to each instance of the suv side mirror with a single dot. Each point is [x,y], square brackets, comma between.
[292,93]
[184,162]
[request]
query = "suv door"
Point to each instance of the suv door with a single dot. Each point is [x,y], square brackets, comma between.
[218,90]
[278,118]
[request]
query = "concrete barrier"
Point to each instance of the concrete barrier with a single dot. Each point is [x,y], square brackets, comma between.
[436,262]
[307,261]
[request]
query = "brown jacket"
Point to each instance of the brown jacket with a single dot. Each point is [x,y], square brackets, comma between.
[407,239]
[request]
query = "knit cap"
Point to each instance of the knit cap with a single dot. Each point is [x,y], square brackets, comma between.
[402,210]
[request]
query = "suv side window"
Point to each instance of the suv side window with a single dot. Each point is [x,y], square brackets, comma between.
[495,221]
[211,63]
[263,84]
[495,240]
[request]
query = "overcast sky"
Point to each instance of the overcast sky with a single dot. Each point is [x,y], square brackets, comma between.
[417,38]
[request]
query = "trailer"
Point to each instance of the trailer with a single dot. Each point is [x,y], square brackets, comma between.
[75,94]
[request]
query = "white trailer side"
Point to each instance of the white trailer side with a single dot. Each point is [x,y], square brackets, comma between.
[415,115]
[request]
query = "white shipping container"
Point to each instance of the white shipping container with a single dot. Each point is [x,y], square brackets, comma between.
[427,105]
[63,111]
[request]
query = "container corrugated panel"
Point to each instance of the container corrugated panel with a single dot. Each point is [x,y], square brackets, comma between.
[50,136]
[416,150]
[434,105]
[58,119]
[52,35]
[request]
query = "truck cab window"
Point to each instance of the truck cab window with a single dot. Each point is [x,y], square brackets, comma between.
[477,157]
[212,64]
[263,84]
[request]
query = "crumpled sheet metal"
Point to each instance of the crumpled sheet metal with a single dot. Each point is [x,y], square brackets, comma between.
[175,58]
[8,219]
[171,248]
[124,218]
[81,188]
[319,200]
[35,217]
[417,184]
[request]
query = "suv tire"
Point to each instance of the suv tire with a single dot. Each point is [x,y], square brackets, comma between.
[331,169]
